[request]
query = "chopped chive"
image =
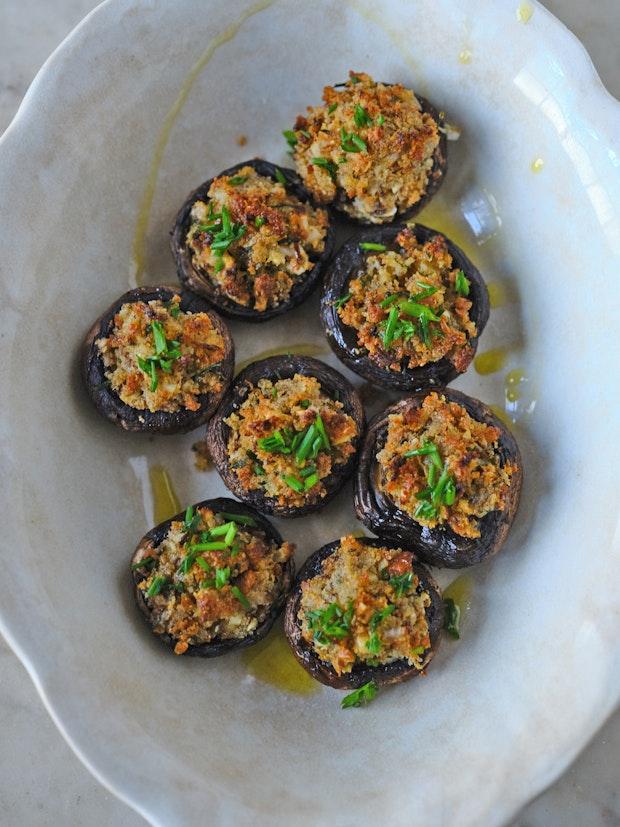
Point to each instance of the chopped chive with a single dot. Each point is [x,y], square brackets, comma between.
[280,176]
[259,221]
[328,165]
[153,372]
[318,422]
[362,696]
[219,264]
[388,333]
[371,245]
[418,650]
[350,142]
[156,586]
[147,562]
[240,597]
[426,510]
[230,534]
[332,108]
[361,116]
[218,531]
[419,310]
[259,470]
[306,444]
[461,283]
[237,179]
[380,120]
[305,404]
[401,583]
[449,492]
[316,447]
[294,483]
[297,439]
[388,300]
[242,519]
[174,310]
[342,300]
[222,576]
[291,137]
[217,545]
[452,618]
[311,481]
[203,564]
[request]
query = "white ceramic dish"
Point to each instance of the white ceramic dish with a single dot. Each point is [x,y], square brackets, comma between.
[124,119]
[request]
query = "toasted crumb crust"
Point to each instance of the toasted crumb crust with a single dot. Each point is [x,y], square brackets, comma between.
[277,238]
[187,369]
[290,407]
[198,596]
[467,450]
[366,607]
[410,274]
[369,148]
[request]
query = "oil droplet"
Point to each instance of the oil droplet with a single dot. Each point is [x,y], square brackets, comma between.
[465,56]
[537,165]
[271,661]
[165,501]
[491,361]
[439,216]
[497,294]
[501,414]
[524,12]
[142,221]
[300,349]
[460,590]
[513,384]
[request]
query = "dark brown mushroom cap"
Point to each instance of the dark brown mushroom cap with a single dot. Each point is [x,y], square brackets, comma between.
[349,261]
[195,279]
[217,647]
[109,403]
[435,177]
[395,672]
[439,546]
[333,385]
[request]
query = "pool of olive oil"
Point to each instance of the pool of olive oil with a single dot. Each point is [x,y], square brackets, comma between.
[271,661]
[165,501]
[460,590]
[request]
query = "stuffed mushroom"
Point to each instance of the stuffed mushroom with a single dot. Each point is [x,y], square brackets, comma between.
[251,241]
[286,435]
[441,473]
[213,578]
[362,610]
[158,360]
[376,151]
[404,307]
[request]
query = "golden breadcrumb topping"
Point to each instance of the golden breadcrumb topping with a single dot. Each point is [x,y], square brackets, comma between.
[160,358]
[287,437]
[441,466]
[211,578]
[255,240]
[409,306]
[366,606]
[369,148]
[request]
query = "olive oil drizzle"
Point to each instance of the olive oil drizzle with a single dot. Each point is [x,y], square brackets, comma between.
[301,349]
[271,661]
[146,203]
[491,361]
[165,501]
[460,591]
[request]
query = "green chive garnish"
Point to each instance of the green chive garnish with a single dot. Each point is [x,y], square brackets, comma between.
[328,165]
[156,586]
[342,300]
[237,179]
[452,618]
[259,221]
[362,696]
[388,333]
[240,597]
[291,137]
[242,519]
[294,483]
[361,116]
[280,176]
[461,283]
[371,245]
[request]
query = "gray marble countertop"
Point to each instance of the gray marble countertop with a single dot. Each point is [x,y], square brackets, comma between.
[41,780]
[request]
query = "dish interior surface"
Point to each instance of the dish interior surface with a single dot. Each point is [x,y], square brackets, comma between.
[156,96]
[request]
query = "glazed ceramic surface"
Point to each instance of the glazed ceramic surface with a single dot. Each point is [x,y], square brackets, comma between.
[140,104]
